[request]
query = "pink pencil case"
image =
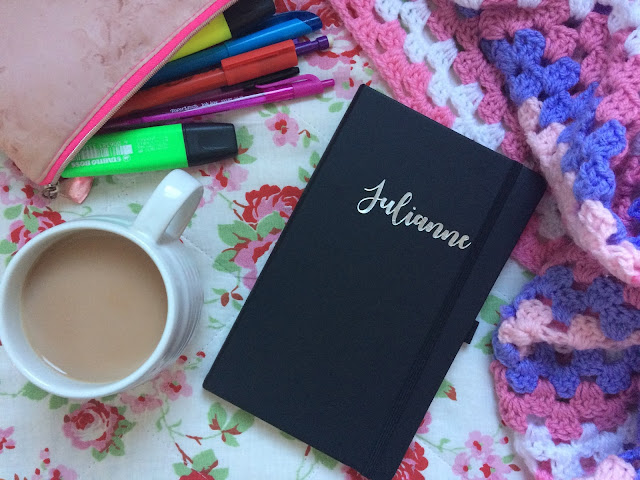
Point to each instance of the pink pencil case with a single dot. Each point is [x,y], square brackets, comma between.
[66,66]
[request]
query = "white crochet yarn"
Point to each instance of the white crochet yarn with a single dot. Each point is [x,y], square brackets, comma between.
[632,43]
[625,13]
[444,87]
[528,3]
[536,445]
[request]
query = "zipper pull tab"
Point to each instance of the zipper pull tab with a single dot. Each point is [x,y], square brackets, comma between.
[75,189]
[50,192]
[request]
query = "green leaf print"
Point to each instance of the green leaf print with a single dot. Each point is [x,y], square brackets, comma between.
[446,390]
[57,402]
[204,460]
[30,223]
[215,323]
[244,137]
[237,232]
[230,440]
[123,427]
[33,392]
[135,207]
[303,175]
[324,459]
[73,407]
[223,262]
[484,343]
[245,159]
[314,159]
[306,141]
[268,224]
[336,107]
[245,141]
[490,310]
[12,212]
[271,108]
[217,417]
[181,469]
[241,421]
[117,447]
[99,455]
[7,247]
[220,473]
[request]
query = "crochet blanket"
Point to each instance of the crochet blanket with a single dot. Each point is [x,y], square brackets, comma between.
[554,84]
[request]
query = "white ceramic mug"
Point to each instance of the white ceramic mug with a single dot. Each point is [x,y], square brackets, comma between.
[157,231]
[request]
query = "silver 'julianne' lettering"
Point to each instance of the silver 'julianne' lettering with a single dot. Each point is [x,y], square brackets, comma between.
[393,209]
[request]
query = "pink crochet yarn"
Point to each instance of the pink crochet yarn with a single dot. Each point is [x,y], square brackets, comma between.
[563,419]
[554,84]
[445,43]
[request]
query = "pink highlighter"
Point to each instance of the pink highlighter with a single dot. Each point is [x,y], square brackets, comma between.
[297,87]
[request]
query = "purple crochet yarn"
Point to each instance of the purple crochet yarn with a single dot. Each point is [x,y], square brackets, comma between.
[591,146]
[604,296]
[523,373]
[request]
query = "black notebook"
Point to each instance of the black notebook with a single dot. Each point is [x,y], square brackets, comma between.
[374,283]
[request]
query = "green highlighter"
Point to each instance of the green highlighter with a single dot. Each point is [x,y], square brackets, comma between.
[154,148]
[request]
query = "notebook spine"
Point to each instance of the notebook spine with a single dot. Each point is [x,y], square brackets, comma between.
[441,318]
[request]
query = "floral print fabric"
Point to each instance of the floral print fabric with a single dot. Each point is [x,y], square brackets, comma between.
[170,428]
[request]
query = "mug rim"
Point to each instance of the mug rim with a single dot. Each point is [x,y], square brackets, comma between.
[107,223]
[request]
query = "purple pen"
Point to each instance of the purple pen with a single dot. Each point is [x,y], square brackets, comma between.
[297,87]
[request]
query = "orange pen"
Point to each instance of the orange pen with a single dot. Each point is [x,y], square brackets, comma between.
[240,68]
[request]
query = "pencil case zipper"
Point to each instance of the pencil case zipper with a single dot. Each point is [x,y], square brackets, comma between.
[126,91]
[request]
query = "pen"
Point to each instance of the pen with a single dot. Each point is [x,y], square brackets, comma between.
[234,22]
[301,86]
[236,90]
[154,148]
[284,26]
[234,70]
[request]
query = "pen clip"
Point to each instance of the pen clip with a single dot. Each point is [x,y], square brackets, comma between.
[302,85]
[289,82]
[302,15]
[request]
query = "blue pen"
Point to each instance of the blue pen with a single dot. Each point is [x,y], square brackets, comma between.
[278,28]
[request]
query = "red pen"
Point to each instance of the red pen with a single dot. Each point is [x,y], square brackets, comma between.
[233,70]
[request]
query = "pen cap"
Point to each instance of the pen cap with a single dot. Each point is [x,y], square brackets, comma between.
[245,15]
[207,142]
[262,61]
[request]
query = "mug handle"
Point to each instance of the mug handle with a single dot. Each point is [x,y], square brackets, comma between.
[171,207]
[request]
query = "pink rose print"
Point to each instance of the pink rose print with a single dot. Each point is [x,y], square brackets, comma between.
[46,219]
[424,424]
[140,403]
[6,443]
[286,129]
[413,463]
[346,87]
[480,463]
[260,204]
[173,383]
[92,425]
[58,473]
[227,176]
[478,444]
[462,466]
[248,253]
[268,199]
[343,49]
